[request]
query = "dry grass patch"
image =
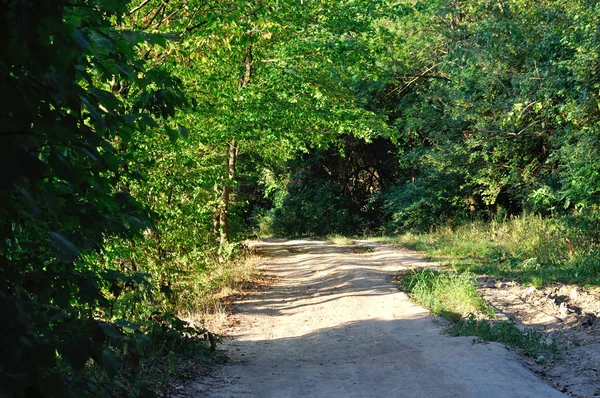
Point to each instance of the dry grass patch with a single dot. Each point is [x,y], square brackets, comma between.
[340,240]
[209,301]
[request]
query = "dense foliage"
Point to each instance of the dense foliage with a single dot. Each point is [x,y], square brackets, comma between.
[493,108]
[140,140]
[78,93]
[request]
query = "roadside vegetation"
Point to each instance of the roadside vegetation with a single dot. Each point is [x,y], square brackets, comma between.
[138,139]
[340,240]
[453,295]
[528,341]
[528,248]
[491,164]
[448,294]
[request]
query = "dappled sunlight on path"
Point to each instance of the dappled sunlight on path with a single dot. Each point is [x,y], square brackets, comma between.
[333,325]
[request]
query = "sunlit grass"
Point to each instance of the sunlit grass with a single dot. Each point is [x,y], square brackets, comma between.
[528,248]
[202,298]
[449,294]
[454,296]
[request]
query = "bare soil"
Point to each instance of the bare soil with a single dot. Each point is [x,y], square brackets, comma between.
[334,325]
[569,315]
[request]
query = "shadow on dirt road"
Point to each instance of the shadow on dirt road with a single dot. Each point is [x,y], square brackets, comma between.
[333,325]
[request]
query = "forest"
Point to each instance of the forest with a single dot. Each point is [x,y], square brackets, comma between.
[142,141]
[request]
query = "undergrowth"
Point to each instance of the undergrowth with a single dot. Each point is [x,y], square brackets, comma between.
[180,348]
[527,248]
[203,298]
[453,296]
[529,341]
[157,322]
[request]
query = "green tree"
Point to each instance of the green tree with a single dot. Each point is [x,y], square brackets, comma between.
[64,184]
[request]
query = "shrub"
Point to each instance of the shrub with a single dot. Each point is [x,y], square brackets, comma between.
[430,201]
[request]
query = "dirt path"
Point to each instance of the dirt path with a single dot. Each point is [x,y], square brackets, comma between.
[334,326]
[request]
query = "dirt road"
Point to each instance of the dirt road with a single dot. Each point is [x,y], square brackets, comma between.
[333,325]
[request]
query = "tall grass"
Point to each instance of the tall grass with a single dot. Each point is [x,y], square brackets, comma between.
[449,294]
[453,295]
[528,247]
[201,297]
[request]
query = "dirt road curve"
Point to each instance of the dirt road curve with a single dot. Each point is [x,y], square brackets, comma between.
[334,326]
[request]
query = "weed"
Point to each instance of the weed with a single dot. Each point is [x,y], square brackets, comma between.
[530,341]
[448,294]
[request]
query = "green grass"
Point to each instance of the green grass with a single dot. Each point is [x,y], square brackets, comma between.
[529,341]
[448,294]
[453,296]
[528,248]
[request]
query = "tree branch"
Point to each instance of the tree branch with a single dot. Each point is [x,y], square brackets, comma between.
[136,9]
[399,90]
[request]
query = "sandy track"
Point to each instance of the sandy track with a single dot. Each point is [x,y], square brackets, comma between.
[334,326]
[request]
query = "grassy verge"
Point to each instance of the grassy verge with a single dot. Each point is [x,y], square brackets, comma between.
[203,301]
[529,341]
[528,248]
[453,295]
[448,294]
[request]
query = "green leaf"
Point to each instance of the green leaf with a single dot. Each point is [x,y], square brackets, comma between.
[132,37]
[32,206]
[173,134]
[82,39]
[111,331]
[111,161]
[141,338]
[144,390]
[94,111]
[126,324]
[77,352]
[154,39]
[183,131]
[102,41]
[169,36]
[111,363]
[126,70]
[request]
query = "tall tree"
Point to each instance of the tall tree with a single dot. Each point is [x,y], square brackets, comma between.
[62,186]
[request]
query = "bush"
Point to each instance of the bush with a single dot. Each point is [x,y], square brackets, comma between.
[431,200]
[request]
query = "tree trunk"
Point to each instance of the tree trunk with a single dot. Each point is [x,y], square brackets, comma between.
[225,196]
[221,221]
[217,223]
